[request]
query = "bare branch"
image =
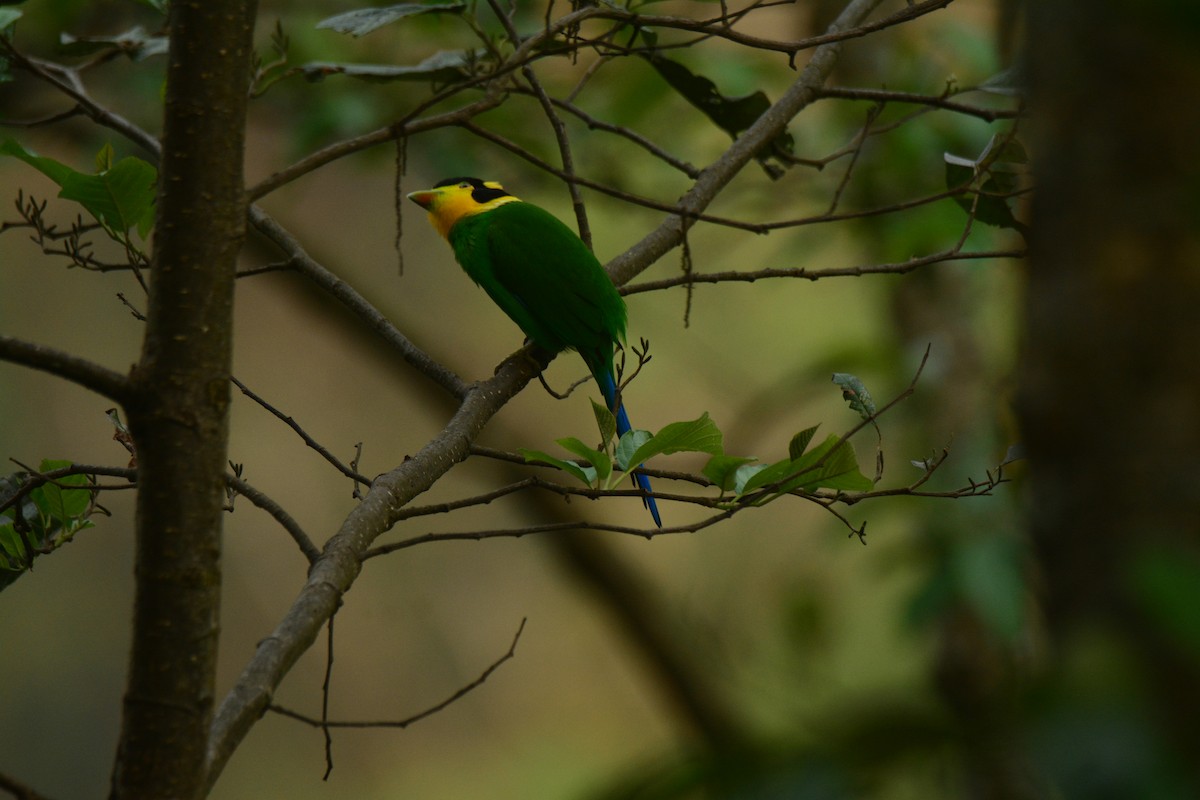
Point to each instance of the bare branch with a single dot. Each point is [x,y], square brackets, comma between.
[893,268]
[561,527]
[68,82]
[289,523]
[404,723]
[718,174]
[73,111]
[87,374]
[349,297]
[308,440]
[340,562]
[837,33]
[886,96]
[389,133]
[19,790]
[632,135]
[556,123]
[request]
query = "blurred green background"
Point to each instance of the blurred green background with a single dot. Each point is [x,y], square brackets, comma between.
[855,671]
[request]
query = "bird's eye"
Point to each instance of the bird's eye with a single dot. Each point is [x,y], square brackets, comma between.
[464,185]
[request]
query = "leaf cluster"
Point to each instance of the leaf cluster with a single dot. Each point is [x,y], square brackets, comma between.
[39,516]
[120,194]
[830,465]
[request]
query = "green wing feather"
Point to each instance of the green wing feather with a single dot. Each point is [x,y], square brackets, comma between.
[540,273]
[543,276]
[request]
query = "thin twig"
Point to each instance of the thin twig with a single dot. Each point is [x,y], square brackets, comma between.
[888,96]
[891,268]
[556,124]
[308,440]
[620,130]
[326,724]
[287,521]
[325,684]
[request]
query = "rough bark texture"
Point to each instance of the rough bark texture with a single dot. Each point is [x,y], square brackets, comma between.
[1111,384]
[178,414]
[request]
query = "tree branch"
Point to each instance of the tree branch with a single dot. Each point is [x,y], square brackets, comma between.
[358,477]
[340,561]
[87,374]
[750,276]
[67,81]
[717,175]
[886,96]
[374,320]
[461,692]
[19,790]
[277,512]
[846,27]
[179,413]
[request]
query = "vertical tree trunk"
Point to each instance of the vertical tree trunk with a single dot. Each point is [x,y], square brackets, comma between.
[179,415]
[1111,383]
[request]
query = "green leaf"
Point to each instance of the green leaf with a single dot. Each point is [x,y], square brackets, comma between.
[52,169]
[13,561]
[700,435]
[724,470]
[67,504]
[585,474]
[731,114]
[830,465]
[52,514]
[104,157]
[628,445]
[8,16]
[768,475]
[743,476]
[799,442]
[995,175]
[839,469]
[605,421]
[364,20]
[8,487]
[446,66]
[855,394]
[599,460]
[119,198]
[134,43]
[12,551]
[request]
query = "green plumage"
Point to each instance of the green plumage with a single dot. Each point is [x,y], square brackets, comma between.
[537,270]
[542,275]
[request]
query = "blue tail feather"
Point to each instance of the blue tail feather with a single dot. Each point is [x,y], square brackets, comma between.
[609,390]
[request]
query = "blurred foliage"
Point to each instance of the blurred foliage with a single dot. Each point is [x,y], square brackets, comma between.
[688,100]
[977,720]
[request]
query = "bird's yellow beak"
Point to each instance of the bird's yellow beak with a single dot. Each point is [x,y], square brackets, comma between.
[424,198]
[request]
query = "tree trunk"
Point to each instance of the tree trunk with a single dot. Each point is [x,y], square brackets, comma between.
[1111,380]
[179,414]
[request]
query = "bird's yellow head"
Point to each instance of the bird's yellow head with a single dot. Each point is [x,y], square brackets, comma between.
[454,198]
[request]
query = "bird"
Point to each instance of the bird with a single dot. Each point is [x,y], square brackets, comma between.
[542,276]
